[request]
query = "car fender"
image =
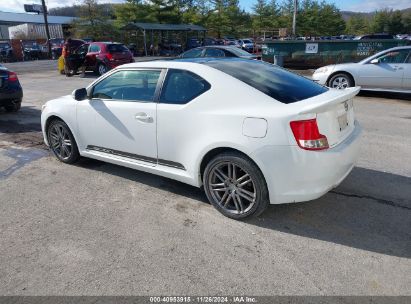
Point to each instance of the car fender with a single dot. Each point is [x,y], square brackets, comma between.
[351,69]
[63,108]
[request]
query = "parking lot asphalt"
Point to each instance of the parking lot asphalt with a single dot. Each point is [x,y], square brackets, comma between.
[99,229]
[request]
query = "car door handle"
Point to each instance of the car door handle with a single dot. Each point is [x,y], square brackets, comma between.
[398,68]
[143,117]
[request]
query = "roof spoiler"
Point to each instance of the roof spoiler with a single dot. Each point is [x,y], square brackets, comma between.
[323,105]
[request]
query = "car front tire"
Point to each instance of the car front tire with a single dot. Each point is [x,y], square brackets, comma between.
[340,81]
[61,142]
[235,186]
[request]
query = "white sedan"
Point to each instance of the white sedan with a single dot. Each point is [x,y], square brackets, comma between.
[389,70]
[247,131]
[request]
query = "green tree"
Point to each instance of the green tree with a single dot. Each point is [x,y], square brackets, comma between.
[163,11]
[357,25]
[133,11]
[262,16]
[286,14]
[380,22]
[406,21]
[94,22]
[274,12]
[395,24]
[217,18]
[330,21]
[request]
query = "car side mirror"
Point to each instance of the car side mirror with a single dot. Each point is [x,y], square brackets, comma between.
[375,61]
[79,94]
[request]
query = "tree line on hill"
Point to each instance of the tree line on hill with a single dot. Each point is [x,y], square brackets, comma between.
[225,17]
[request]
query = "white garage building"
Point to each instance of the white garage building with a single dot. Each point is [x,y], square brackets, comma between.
[34,21]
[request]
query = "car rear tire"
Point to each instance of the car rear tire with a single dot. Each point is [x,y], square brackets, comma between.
[62,142]
[340,81]
[235,186]
[14,107]
[101,69]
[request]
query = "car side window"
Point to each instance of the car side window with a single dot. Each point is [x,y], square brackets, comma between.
[394,57]
[94,48]
[131,85]
[409,58]
[214,53]
[82,49]
[181,86]
[229,54]
[192,53]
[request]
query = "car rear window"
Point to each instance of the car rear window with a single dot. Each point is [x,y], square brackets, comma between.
[116,48]
[239,52]
[273,81]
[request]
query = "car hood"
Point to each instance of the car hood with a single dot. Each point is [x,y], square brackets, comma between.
[63,100]
[336,67]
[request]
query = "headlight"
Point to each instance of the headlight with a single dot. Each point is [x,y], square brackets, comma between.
[321,70]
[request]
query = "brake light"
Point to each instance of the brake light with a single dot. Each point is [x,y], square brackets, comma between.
[109,56]
[13,77]
[308,136]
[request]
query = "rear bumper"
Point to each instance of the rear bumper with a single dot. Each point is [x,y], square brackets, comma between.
[296,175]
[114,64]
[10,96]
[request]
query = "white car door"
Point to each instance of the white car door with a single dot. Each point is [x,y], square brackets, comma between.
[406,81]
[385,73]
[120,118]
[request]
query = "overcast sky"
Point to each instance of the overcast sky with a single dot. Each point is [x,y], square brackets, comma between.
[348,5]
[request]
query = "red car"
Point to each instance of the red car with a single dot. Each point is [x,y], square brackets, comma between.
[101,57]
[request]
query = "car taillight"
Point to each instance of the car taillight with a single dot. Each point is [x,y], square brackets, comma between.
[109,56]
[13,77]
[308,136]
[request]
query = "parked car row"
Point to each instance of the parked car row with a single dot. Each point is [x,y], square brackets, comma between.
[247,44]
[218,51]
[377,36]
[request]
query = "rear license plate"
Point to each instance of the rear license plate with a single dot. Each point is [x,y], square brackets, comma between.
[343,121]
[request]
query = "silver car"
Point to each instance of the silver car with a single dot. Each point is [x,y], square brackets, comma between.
[389,70]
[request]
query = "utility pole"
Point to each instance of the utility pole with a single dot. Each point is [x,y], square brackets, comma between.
[294,16]
[43,3]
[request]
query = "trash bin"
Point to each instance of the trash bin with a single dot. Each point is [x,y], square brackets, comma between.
[279,60]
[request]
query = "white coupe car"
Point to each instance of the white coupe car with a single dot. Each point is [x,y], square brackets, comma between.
[247,131]
[389,70]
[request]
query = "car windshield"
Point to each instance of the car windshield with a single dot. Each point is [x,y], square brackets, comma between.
[273,81]
[239,52]
[247,41]
[116,48]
